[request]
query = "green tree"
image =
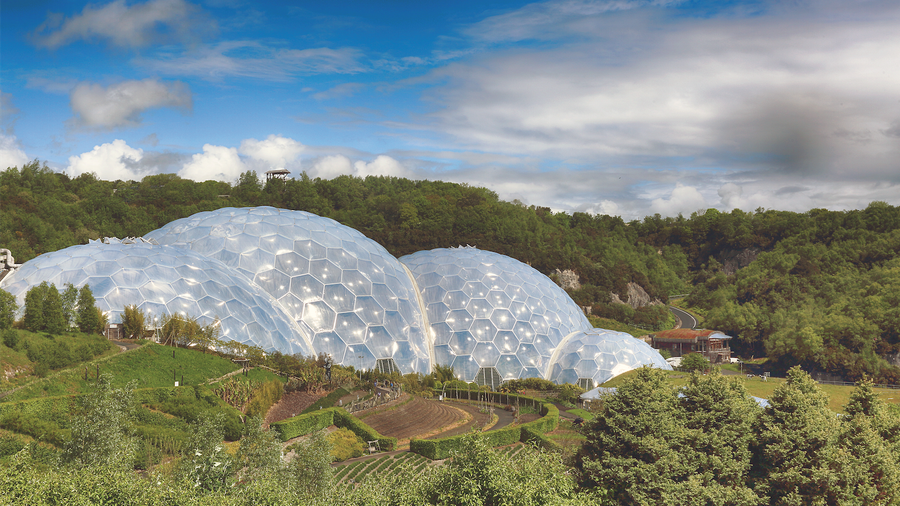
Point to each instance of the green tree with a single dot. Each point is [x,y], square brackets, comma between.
[8,308]
[632,445]
[133,322]
[260,450]
[310,472]
[69,303]
[796,439]
[478,475]
[34,307]
[694,362]
[52,311]
[87,318]
[205,463]
[100,432]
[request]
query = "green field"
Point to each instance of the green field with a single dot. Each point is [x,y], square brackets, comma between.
[150,366]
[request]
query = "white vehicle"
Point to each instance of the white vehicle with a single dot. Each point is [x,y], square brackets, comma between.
[674,361]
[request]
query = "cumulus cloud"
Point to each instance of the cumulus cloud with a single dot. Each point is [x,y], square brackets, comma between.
[110,161]
[382,165]
[216,162]
[11,152]
[156,21]
[121,104]
[683,200]
[331,166]
[275,151]
[244,58]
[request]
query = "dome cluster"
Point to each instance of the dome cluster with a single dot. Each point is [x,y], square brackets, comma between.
[165,280]
[300,283]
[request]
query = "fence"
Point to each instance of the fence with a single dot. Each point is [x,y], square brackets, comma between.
[853,384]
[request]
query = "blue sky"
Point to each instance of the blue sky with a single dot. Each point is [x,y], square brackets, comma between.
[618,107]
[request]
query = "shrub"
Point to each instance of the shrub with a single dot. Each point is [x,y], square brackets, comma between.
[344,445]
[363,431]
[264,397]
[303,424]
[10,337]
[694,362]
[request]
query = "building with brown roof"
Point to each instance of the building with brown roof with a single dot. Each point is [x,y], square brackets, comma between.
[679,342]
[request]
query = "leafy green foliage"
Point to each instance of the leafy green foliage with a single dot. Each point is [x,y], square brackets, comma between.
[205,462]
[99,432]
[133,322]
[87,318]
[694,362]
[344,445]
[8,308]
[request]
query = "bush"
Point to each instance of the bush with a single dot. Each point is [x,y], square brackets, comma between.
[344,445]
[363,431]
[694,362]
[303,424]
[10,338]
[264,398]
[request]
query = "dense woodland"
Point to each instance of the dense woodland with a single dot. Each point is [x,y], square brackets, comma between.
[821,288]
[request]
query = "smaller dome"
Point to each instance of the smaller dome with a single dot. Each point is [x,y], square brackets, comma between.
[592,357]
[165,280]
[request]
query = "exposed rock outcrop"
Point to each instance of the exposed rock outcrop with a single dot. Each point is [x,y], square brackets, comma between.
[567,279]
[735,260]
[635,296]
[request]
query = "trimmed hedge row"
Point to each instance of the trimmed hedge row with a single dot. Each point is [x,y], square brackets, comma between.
[304,424]
[530,435]
[345,420]
[437,449]
[301,425]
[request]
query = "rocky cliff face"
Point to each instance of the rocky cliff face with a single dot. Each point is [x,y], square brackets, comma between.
[735,260]
[567,279]
[635,296]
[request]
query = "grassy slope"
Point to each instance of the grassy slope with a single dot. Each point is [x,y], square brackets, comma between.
[839,396]
[150,366]
[17,359]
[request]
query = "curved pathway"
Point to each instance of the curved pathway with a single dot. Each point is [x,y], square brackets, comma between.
[687,321]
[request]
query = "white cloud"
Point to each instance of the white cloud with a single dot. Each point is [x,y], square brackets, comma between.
[683,200]
[331,166]
[382,165]
[11,152]
[156,21]
[216,162]
[243,58]
[110,161]
[121,104]
[275,151]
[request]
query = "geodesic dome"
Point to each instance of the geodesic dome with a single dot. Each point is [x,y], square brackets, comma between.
[349,294]
[165,280]
[492,317]
[593,357]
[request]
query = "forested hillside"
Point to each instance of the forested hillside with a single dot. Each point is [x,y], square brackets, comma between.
[818,288]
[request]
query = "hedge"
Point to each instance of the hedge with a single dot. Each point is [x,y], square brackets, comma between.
[437,449]
[304,424]
[530,435]
[345,420]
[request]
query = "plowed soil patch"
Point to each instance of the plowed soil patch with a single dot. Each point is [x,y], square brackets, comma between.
[419,416]
[291,404]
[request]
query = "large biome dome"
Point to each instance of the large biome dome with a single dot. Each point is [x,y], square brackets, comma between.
[593,357]
[492,317]
[354,300]
[164,280]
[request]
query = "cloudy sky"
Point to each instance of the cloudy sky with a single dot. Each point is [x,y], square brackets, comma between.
[619,107]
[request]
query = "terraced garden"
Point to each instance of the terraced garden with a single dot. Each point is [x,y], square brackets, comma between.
[415,417]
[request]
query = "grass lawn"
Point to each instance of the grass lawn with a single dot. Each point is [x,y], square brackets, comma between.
[150,366]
